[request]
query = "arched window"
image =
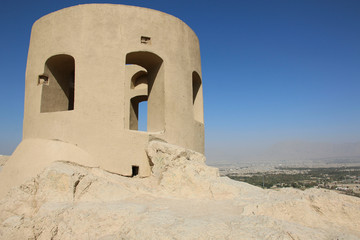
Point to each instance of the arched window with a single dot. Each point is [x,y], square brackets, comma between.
[147,85]
[139,80]
[197,97]
[135,112]
[58,84]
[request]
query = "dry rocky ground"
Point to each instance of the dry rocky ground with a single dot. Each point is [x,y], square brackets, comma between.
[183,199]
[3,160]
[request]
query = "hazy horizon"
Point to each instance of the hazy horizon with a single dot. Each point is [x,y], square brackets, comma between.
[295,151]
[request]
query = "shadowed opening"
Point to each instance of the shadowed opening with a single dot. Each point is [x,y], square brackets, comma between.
[135,171]
[58,84]
[146,85]
[197,97]
[134,112]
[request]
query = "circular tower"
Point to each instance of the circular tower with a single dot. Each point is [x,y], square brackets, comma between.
[89,69]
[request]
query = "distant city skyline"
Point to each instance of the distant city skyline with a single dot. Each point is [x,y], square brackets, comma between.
[273,71]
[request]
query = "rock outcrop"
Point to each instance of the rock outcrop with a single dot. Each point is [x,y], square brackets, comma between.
[183,199]
[3,159]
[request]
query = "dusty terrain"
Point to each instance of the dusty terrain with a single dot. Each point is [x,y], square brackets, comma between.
[184,199]
[3,159]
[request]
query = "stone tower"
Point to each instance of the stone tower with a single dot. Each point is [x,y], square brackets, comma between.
[89,67]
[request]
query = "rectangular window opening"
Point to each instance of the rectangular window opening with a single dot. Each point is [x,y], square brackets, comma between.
[145,40]
[43,79]
[135,170]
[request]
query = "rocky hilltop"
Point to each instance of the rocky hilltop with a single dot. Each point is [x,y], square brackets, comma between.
[3,159]
[183,199]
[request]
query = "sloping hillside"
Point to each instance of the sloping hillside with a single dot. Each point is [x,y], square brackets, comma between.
[184,199]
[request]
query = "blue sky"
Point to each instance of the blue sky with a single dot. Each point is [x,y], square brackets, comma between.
[272,71]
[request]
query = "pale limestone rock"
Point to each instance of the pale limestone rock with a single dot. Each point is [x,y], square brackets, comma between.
[3,160]
[184,172]
[183,199]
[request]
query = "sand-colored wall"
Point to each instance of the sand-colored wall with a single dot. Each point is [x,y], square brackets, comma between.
[99,37]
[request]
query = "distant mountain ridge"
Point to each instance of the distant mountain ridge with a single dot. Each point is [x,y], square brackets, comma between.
[302,150]
[288,152]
